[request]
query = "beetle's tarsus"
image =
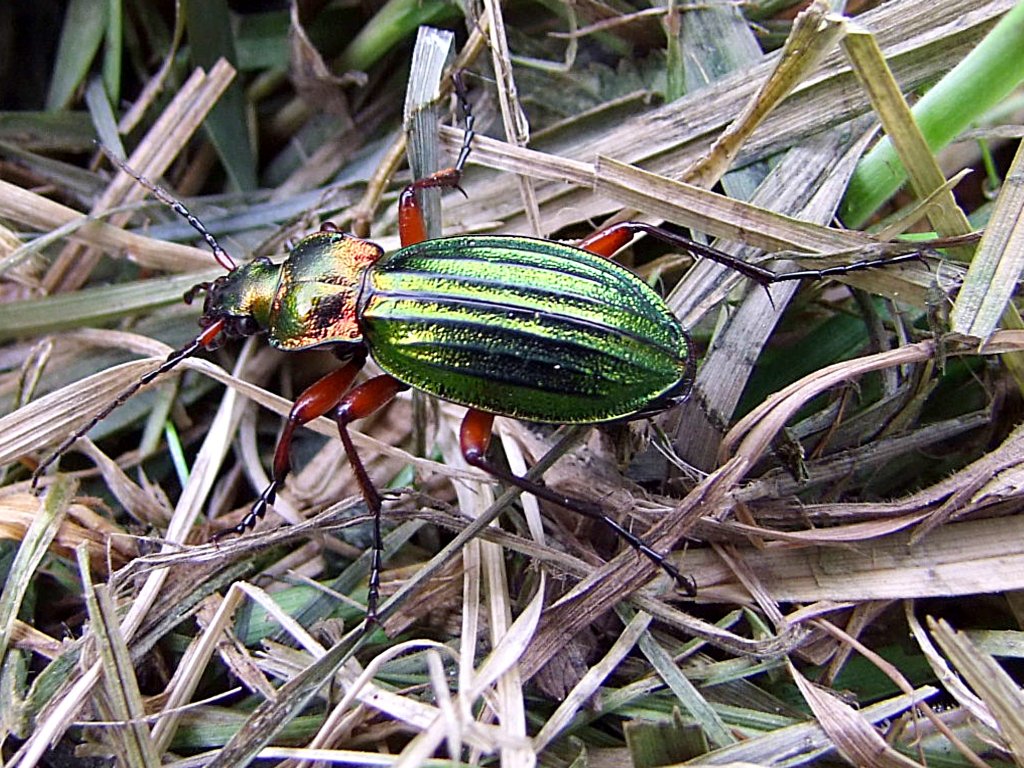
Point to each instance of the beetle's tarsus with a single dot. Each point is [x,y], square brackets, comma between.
[373,589]
[253,516]
[195,290]
[469,121]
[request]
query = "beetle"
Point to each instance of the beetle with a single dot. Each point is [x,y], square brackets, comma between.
[505,325]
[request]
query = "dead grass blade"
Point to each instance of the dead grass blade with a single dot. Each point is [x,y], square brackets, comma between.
[813,35]
[998,690]
[37,211]
[996,269]
[854,737]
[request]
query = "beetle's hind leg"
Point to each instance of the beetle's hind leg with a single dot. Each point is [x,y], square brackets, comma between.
[605,242]
[475,438]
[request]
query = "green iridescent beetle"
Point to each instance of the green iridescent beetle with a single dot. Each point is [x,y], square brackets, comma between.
[504,325]
[517,326]
[523,327]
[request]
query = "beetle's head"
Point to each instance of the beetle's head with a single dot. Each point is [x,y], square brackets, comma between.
[237,304]
[240,300]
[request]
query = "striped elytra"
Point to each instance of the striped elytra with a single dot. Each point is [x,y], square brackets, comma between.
[526,328]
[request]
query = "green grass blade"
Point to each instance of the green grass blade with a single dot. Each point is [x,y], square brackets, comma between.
[974,86]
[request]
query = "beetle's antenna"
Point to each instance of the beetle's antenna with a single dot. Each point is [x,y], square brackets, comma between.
[165,197]
[202,341]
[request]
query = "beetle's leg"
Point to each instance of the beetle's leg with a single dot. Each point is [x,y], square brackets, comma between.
[475,438]
[314,402]
[411,227]
[367,398]
[606,242]
[468,120]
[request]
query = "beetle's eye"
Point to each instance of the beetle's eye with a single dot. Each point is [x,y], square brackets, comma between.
[246,326]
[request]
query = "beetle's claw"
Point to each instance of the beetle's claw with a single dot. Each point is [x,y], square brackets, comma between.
[685,582]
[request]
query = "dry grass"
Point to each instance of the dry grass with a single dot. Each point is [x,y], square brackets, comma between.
[847,451]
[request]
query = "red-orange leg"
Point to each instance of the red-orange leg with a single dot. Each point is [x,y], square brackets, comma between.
[475,438]
[605,242]
[411,227]
[367,398]
[315,401]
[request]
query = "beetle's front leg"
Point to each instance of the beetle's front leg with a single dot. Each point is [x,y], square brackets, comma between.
[412,229]
[475,438]
[317,400]
[367,398]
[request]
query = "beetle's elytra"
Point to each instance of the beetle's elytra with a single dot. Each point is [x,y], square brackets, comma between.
[525,328]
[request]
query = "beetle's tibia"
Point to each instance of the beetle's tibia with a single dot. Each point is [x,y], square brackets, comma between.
[367,398]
